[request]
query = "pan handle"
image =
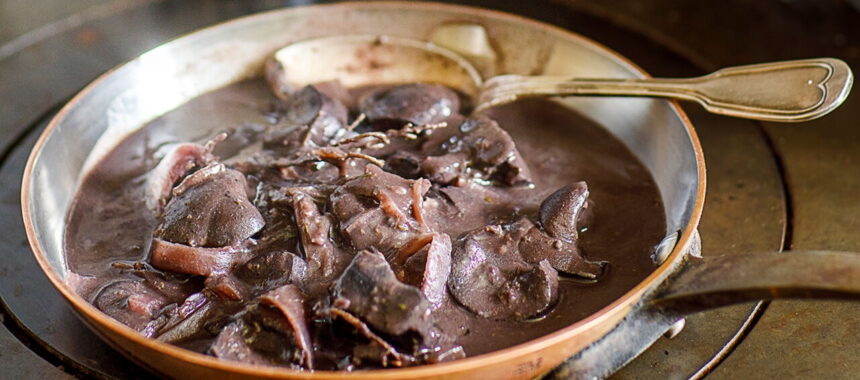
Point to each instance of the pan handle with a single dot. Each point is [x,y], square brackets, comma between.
[710,282]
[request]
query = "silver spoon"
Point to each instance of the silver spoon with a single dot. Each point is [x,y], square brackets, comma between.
[789,91]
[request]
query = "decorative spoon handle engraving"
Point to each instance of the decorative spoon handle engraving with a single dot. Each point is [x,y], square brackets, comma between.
[789,91]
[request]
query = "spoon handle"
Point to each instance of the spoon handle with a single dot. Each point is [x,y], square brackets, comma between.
[789,91]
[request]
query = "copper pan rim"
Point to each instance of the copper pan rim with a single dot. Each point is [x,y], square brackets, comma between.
[603,320]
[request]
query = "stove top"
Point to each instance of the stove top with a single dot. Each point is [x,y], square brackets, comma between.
[768,185]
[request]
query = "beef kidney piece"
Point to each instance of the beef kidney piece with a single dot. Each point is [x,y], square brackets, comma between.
[280,232]
[173,286]
[472,205]
[562,255]
[290,301]
[315,235]
[309,119]
[491,279]
[493,151]
[383,211]
[199,261]
[309,104]
[428,268]
[259,334]
[210,208]
[556,240]
[410,103]
[372,292]
[451,168]
[186,320]
[175,164]
[232,344]
[271,270]
[405,164]
[227,287]
[479,149]
[560,212]
[131,302]
[377,349]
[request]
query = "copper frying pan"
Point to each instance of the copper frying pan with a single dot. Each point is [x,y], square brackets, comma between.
[657,131]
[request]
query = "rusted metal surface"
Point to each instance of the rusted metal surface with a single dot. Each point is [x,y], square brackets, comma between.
[816,339]
[718,281]
[821,160]
[744,212]
[709,282]
[15,358]
[629,338]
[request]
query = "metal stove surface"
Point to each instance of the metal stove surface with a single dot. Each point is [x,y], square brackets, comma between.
[68,45]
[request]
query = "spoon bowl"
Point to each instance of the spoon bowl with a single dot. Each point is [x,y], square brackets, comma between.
[788,91]
[363,60]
